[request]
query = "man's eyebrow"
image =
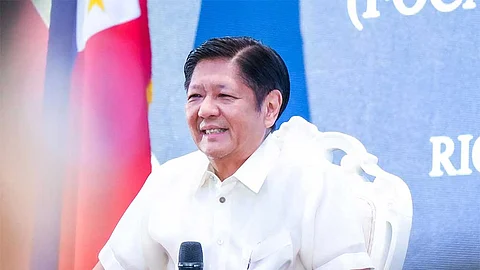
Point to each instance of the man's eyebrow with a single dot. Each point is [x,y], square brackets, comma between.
[196,86]
[219,86]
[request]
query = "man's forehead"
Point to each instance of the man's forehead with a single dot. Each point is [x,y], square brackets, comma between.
[216,66]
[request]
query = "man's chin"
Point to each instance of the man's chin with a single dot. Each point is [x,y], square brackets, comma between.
[214,154]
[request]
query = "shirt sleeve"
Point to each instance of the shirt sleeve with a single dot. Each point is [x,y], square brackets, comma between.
[124,249]
[337,240]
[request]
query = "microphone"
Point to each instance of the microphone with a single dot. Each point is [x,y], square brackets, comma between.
[190,256]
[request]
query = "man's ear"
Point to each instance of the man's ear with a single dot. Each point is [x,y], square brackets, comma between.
[271,106]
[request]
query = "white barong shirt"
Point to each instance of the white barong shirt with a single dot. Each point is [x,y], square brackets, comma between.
[286,207]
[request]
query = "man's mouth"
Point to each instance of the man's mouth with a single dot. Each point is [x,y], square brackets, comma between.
[214,131]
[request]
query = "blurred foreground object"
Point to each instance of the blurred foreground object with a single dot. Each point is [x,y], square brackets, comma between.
[23,43]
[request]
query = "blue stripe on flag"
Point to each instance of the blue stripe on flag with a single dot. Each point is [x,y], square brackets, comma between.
[275,23]
[60,60]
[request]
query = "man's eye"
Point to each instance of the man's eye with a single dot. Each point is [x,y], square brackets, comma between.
[226,95]
[194,96]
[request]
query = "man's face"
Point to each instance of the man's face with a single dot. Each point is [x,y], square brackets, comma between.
[221,112]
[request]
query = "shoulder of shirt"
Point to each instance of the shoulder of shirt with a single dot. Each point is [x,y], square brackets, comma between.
[303,167]
[194,162]
[197,156]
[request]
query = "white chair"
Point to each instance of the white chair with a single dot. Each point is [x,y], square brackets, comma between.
[385,204]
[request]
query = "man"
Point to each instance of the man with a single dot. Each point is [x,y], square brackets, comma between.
[252,198]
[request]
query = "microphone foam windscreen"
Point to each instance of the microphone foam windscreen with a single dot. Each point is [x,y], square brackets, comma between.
[190,252]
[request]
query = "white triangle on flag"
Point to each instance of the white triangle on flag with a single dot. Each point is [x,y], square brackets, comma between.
[44,8]
[103,14]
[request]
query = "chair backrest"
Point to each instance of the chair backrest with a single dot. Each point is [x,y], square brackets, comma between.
[385,204]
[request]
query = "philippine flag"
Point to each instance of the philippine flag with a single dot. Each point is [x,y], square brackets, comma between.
[98,83]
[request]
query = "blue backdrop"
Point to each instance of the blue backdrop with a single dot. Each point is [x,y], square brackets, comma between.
[402,76]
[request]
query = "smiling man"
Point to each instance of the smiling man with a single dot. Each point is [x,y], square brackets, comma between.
[226,120]
[254,199]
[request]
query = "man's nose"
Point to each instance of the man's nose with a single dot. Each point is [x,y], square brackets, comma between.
[208,108]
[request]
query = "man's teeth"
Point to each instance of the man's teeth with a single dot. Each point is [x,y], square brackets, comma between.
[215,130]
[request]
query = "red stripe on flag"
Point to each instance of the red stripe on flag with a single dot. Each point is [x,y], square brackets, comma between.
[109,104]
